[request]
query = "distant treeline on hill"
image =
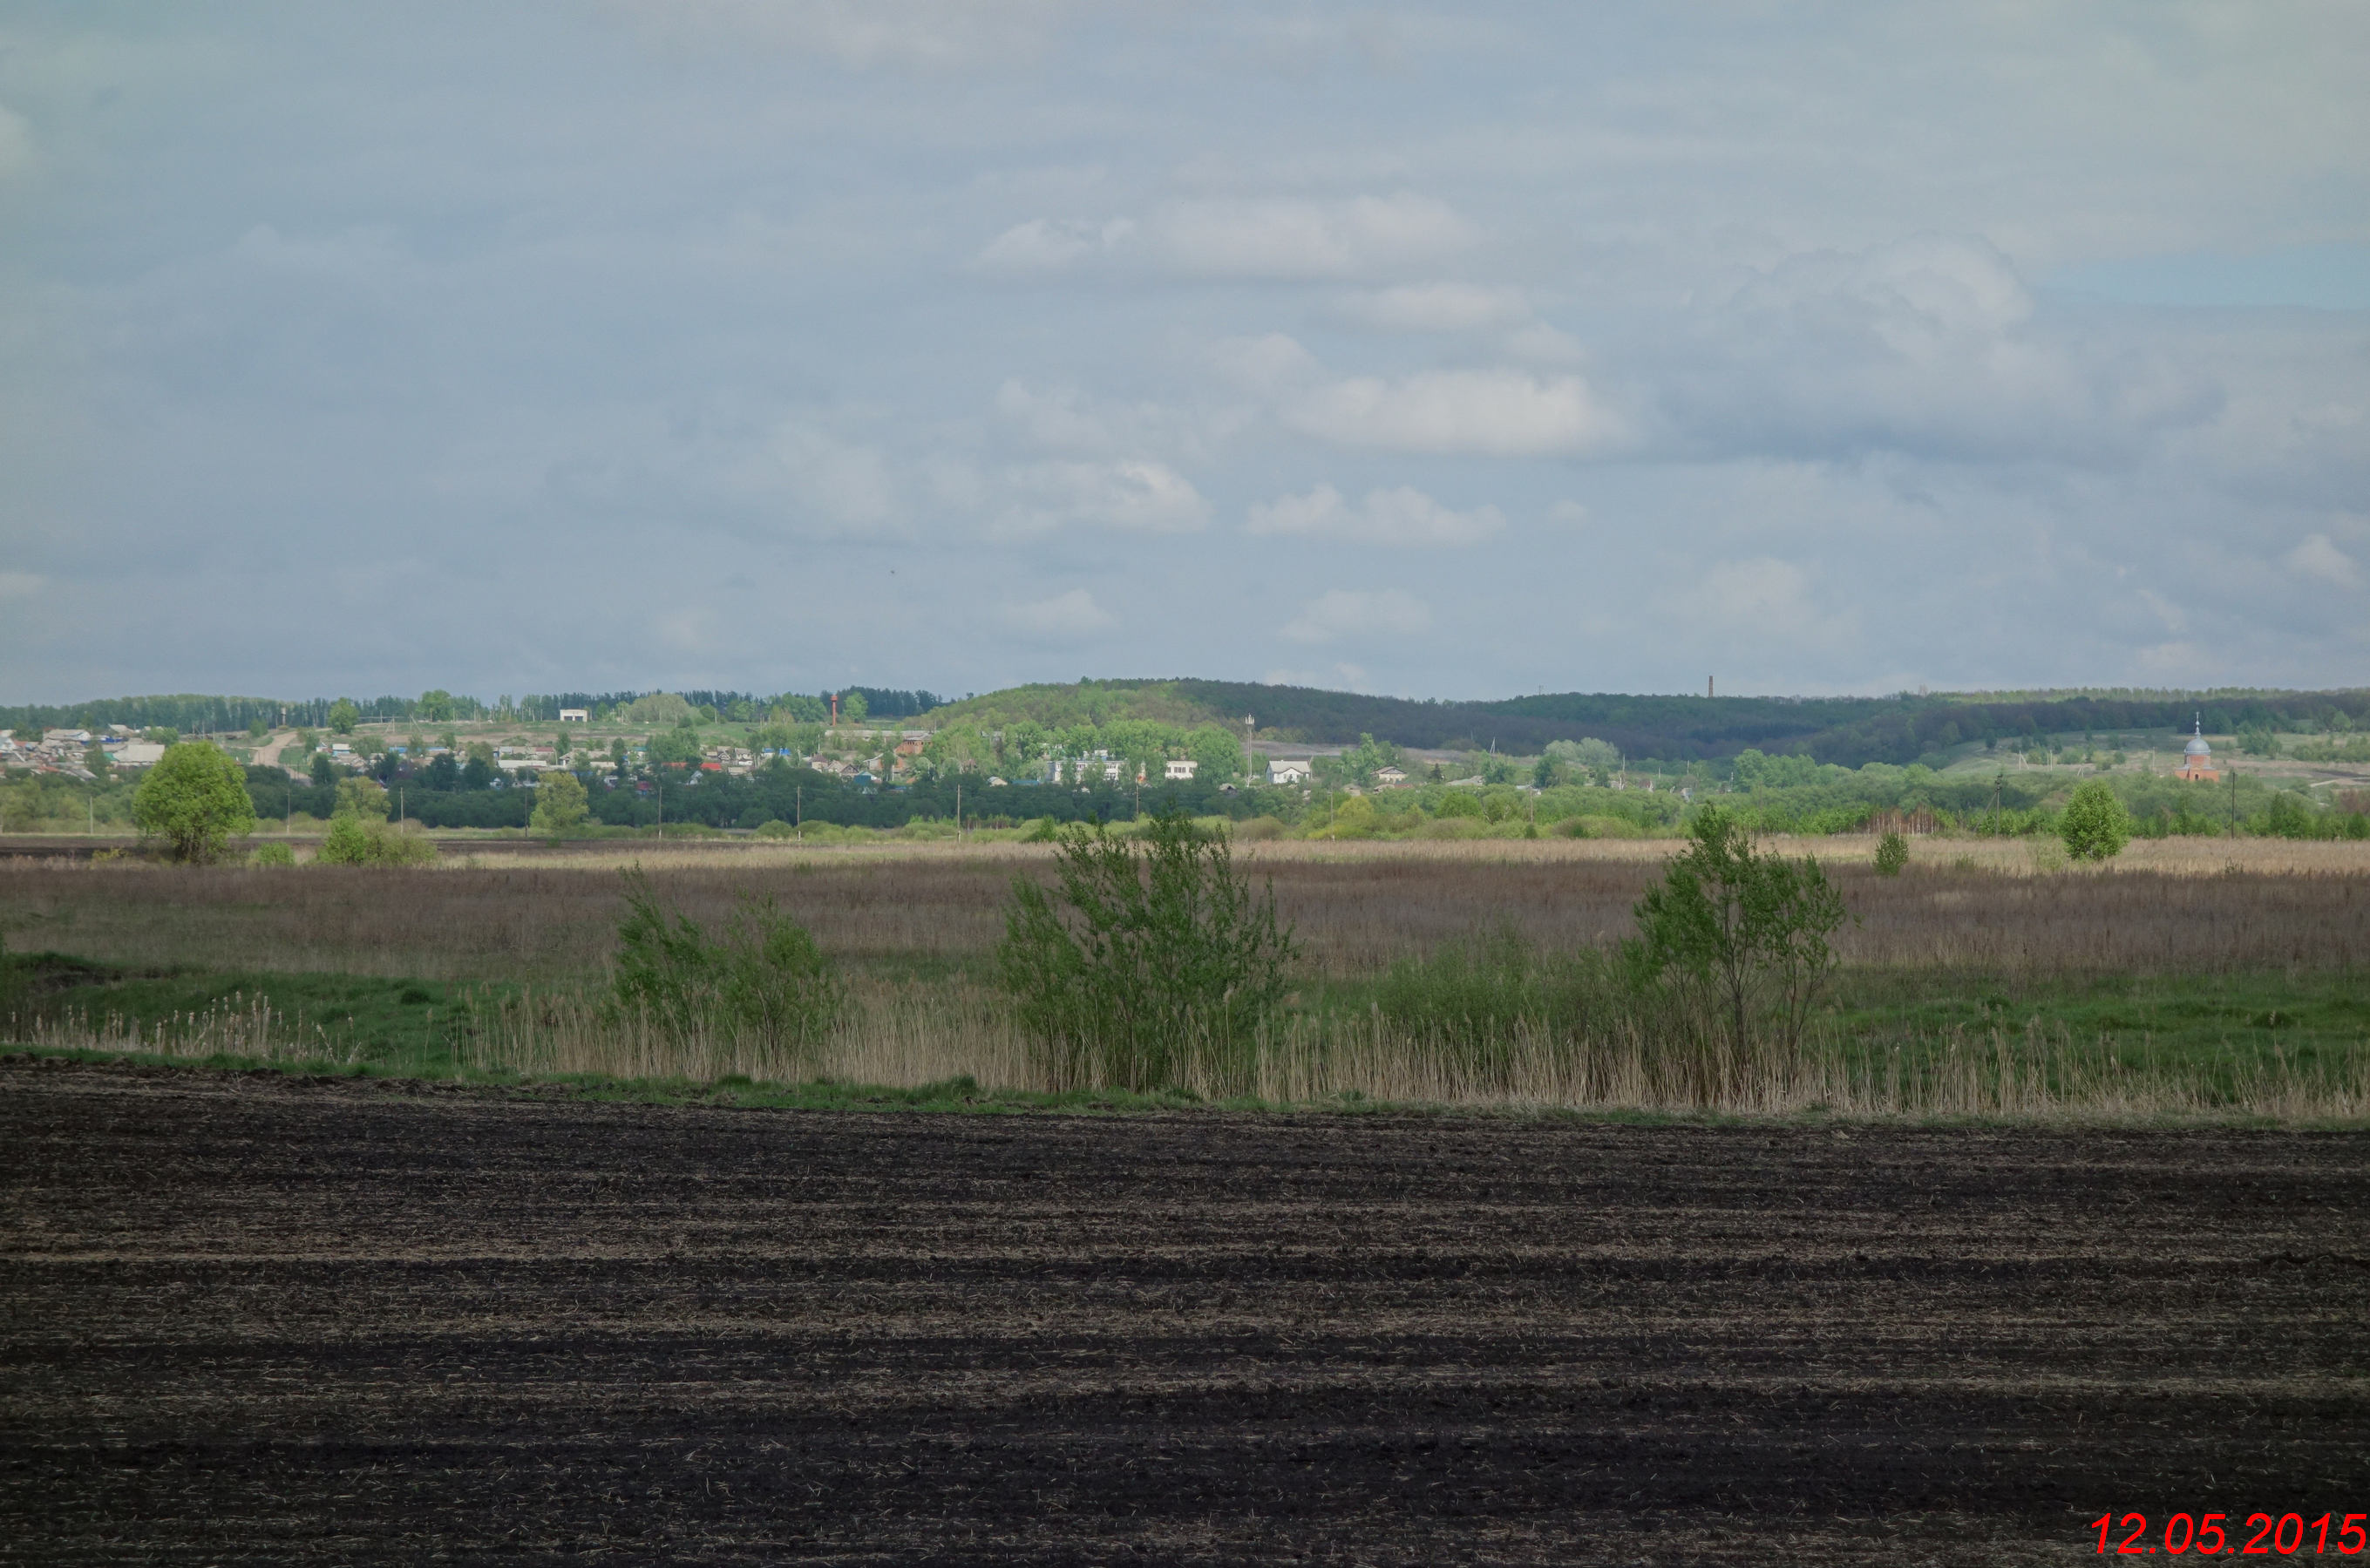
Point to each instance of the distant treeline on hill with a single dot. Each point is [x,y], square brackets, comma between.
[1847,730]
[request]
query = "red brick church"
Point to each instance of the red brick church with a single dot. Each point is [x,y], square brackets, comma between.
[2197,758]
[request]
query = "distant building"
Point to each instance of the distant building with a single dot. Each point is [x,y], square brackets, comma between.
[2197,757]
[575,716]
[137,753]
[1389,777]
[1282,772]
[1178,767]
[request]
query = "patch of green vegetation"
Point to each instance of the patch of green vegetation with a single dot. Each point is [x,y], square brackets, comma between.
[2219,1022]
[401,1023]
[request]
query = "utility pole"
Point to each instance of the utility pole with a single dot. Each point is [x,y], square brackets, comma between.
[959,808]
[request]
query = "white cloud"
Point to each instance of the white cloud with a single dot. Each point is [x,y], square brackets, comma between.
[1340,611]
[1065,618]
[1401,516]
[938,35]
[1436,307]
[21,585]
[1762,598]
[1131,496]
[837,483]
[1294,238]
[1491,413]
[1928,347]
[16,143]
[2317,557]
[1287,238]
[1341,676]
[1049,245]
[1266,365]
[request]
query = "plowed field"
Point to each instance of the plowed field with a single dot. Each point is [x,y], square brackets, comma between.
[257,1320]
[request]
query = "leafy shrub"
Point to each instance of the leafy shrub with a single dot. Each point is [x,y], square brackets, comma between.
[367,841]
[2095,826]
[776,827]
[1892,855]
[1737,943]
[1146,960]
[764,984]
[272,855]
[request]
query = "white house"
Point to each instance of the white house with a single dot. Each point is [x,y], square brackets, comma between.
[1178,767]
[1389,777]
[137,753]
[1282,772]
[575,716]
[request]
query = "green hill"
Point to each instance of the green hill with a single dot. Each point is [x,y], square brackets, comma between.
[1849,730]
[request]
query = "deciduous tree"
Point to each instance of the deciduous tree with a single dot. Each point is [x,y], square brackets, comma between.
[195,800]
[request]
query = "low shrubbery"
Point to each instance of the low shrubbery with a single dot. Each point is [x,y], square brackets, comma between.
[1148,963]
[763,986]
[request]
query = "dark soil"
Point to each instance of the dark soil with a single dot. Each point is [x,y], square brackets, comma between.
[252,1320]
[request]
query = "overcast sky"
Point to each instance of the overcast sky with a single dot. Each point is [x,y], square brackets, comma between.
[1464,351]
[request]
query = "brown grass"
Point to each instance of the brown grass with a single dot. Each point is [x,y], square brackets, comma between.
[2262,906]
[904,1037]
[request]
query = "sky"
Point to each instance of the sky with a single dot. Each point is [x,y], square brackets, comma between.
[1462,351]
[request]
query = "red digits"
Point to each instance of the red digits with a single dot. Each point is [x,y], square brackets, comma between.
[2280,1536]
[2188,1529]
[2353,1527]
[2210,1525]
[2102,1521]
[2139,1528]
[2255,1547]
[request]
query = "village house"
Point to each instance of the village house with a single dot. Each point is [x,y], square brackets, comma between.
[575,716]
[1280,771]
[1389,777]
[1177,768]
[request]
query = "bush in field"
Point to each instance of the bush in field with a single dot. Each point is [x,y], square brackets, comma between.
[774,828]
[195,800]
[1892,855]
[2095,826]
[559,804]
[360,834]
[1147,960]
[765,983]
[272,855]
[1738,940]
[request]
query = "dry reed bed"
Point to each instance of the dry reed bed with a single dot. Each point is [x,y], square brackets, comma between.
[903,1037]
[1354,912]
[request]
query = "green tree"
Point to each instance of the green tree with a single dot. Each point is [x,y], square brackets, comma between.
[195,800]
[559,803]
[161,736]
[324,772]
[435,706]
[1146,960]
[95,757]
[1892,855]
[344,716]
[2095,826]
[364,799]
[851,708]
[1742,936]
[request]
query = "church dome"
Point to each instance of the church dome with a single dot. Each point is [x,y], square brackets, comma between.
[2197,747]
